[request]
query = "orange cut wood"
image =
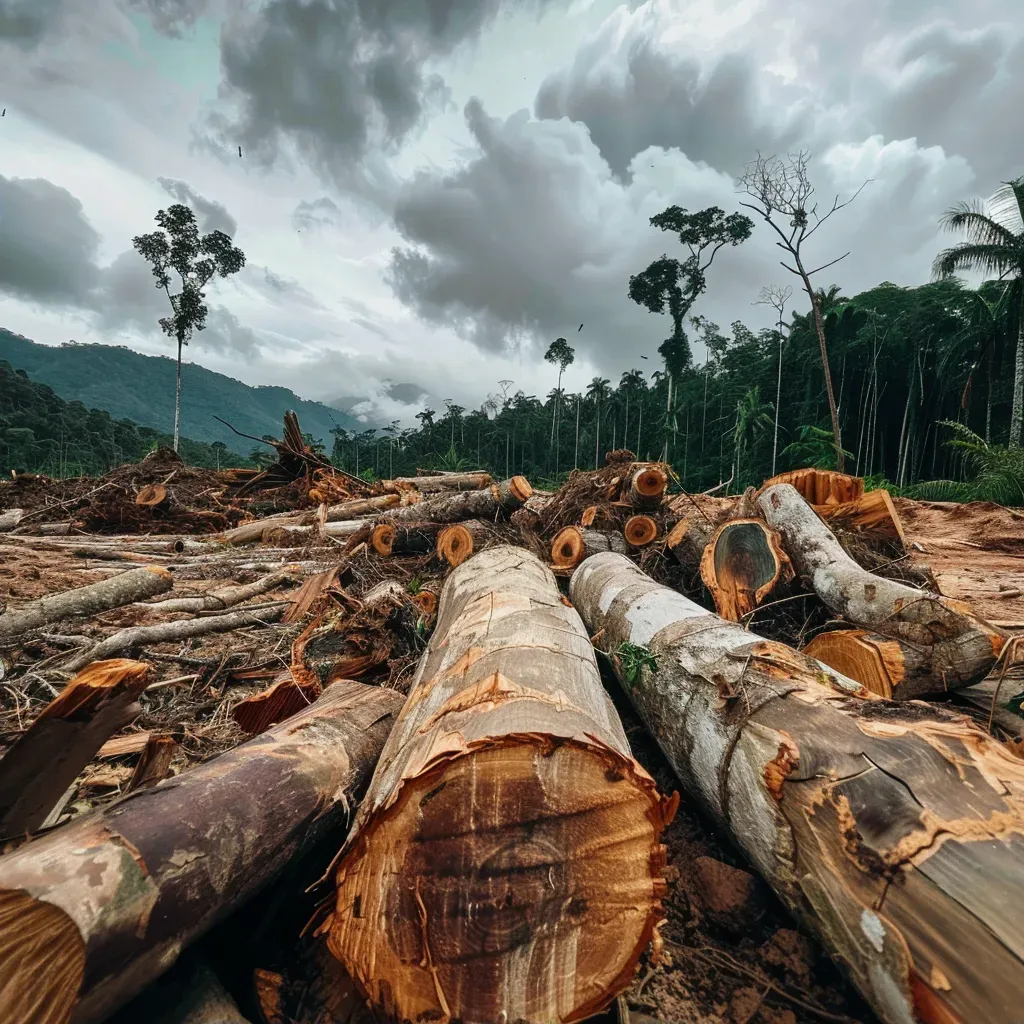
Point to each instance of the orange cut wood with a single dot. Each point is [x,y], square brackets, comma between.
[820,486]
[640,531]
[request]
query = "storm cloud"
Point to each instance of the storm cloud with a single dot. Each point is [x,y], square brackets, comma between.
[213,216]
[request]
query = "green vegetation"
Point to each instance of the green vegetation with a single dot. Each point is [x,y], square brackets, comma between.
[41,433]
[141,388]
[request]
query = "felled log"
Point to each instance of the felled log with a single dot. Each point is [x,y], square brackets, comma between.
[459,541]
[459,505]
[646,487]
[570,546]
[741,565]
[63,739]
[304,534]
[473,481]
[872,516]
[359,507]
[897,836]
[687,541]
[92,912]
[820,486]
[10,518]
[426,601]
[388,539]
[953,646]
[152,496]
[640,531]
[225,597]
[505,864]
[113,592]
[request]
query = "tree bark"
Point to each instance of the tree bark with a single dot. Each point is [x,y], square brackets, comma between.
[226,597]
[687,541]
[64,738]
[10,519]
[505,863]
[474,481]
[646,487]
[155,763]
[897,835]
[113,898]
[956,646]
[1017,408]
[459,505]
[570,546]
[114,592]
[741,565]
[820,486]
[819,327]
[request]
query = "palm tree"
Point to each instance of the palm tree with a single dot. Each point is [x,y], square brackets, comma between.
[994,246]
[752,421]
[597,391]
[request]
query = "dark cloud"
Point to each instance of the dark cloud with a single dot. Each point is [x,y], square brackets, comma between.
[407,394]
[316,213]
[336,80]
[648,96]
[25,22]
[213,216]
[47,245]
[170,17]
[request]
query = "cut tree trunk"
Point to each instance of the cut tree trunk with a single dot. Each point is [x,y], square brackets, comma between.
[687,541]
[896,833]
[459,541]
[872,516]
[404,538]
[94,911]
[820,486]
[47,758]
[10,518]
[475,481]
[640,531]
[152,496]
[954,647]
[460,505]
[505,864]
[647,486]
[113,592]
[741,565]
[570,546]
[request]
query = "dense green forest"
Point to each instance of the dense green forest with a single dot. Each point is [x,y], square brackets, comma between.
[909,364]
[140,388]
[40,432]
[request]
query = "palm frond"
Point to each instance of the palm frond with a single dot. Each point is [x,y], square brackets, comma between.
[974,220]
[938,490]
[1006,206]
[988,259]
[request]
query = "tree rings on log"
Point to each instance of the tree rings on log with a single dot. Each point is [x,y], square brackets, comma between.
[687,541]
[517,489]
[505,864]
[426,601]
[742,564]
[639,531]
[570,546]
[820,486]
[152,496]
[647,487]
[454,544]
[382,539]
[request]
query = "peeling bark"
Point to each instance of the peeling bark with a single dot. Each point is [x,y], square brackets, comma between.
[94,911]
[895,832]
[114,592]
[957,647]
[741,565]
[505,864]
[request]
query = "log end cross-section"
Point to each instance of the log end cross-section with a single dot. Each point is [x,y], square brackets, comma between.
[742,565]
[505,865]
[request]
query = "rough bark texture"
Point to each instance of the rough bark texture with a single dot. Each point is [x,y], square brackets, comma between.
[687,541]
[63,739]
[742,564]
[505,864]
[113,592]
[959,647]
[92,912]
[474,481]
[10,519]
[872,516]
[225,597]
[820,486]
[647,486]
[896,832]
[570,546]
[155,763]
[459,505]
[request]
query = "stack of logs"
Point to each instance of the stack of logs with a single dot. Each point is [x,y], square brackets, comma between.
[505,861]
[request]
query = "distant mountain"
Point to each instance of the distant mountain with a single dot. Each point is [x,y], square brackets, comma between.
[132,386]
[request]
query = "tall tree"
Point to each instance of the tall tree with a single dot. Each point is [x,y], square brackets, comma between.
[994,246]
[781,189]
[777,297]
[561,353]
[196,259]
[678,285]
[597,392]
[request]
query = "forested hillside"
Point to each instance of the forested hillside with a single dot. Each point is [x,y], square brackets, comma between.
[141,388]
[40,432]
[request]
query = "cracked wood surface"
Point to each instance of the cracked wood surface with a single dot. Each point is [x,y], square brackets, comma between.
[895,831]
[505,864]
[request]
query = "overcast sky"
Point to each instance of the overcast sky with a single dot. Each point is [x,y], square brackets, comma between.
[430,191]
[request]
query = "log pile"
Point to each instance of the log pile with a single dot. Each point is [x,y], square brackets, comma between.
[189,717]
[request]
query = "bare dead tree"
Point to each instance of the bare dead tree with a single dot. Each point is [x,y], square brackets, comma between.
[776,296]
[780,189]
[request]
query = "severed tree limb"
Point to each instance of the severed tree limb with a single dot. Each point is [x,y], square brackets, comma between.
[113,592]
[459,505]
[687,541]
[645,487]
[226,597]
[94,911]
[161,632]
[570,546]
[505,864]
[956,647]
[64,738]
[894,831]
[474,481]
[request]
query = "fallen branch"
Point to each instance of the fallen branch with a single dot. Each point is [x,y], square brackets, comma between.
[226,597]
[459,505]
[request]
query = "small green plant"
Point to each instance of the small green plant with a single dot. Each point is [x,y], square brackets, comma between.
[368,475]
[414,586]
[452,462]
[632,659]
